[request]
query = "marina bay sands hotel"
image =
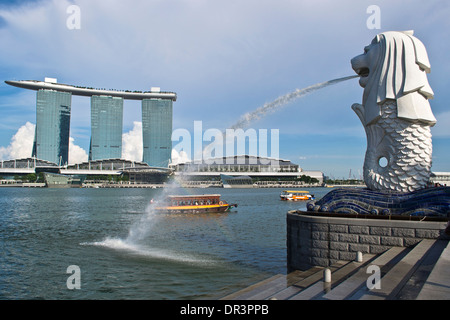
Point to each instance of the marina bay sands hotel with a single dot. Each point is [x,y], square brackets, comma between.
[53,109]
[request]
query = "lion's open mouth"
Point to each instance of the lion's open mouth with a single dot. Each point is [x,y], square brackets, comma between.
[363,72]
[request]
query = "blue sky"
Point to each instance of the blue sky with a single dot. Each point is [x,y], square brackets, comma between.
[223,59]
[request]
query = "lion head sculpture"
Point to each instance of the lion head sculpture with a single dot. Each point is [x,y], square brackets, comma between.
[395,111]
[394,66]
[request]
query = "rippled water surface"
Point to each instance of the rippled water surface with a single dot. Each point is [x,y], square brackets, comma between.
[126,251]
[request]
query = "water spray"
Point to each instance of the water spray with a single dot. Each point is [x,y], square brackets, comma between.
[275,105]
[261,112]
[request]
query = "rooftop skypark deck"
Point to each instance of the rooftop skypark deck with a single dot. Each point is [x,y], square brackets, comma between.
[154,93]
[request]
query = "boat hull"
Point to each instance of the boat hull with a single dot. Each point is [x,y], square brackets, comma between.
[196,209]
[302,198]
[296,195]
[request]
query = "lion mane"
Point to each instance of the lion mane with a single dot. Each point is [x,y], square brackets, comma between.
[400,74]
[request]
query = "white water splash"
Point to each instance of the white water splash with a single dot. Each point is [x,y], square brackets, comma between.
[142,228]
[129,247]
[138,241]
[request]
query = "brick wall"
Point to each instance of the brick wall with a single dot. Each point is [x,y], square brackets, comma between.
[321,240]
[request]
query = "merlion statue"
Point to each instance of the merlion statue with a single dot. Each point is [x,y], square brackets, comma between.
[397,117]
[395,112]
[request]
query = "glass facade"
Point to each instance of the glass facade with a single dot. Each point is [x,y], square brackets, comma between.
[157,131]
[106,128]
[51,140]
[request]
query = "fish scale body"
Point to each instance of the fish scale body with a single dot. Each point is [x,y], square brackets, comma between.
[407,147]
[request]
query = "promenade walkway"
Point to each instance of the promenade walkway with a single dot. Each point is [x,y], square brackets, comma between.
[421,272]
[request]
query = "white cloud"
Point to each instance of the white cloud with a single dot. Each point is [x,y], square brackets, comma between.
[132,145]
[179,157]
[76,153]
[21,145]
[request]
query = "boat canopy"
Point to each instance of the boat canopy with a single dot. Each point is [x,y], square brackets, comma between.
[199,197]
[206,199]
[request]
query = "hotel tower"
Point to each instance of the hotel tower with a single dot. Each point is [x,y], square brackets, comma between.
[53,109]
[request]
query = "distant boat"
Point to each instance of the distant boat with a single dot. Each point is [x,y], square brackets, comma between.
[209,203]
[54,180]
[296,195]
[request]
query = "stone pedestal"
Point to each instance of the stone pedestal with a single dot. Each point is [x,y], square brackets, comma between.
[320,239]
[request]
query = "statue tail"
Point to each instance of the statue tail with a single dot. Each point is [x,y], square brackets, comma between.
[406,149]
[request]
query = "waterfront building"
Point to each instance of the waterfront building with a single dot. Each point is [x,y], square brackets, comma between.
[106,127]
[191,174]
[109,166]
[51,140]
[107,169]
[440,178]
[263,171]
[9,168]
[137,172]
[157,132]
[53,121]
[236,182]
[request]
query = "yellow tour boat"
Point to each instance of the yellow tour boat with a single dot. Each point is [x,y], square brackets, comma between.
[209,203]
[296,195]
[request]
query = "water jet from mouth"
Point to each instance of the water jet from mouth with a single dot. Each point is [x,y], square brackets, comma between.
[273,106]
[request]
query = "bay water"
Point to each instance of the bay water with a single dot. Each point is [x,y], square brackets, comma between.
[125,250]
